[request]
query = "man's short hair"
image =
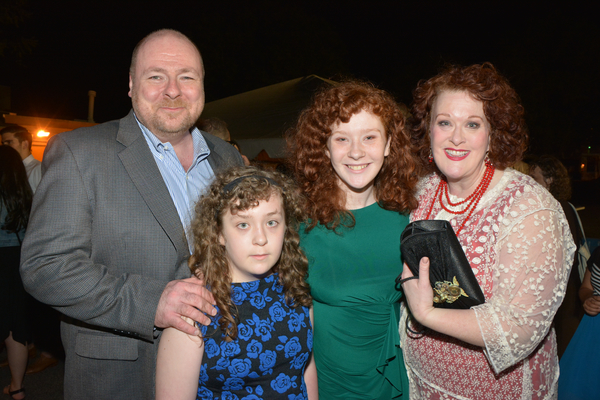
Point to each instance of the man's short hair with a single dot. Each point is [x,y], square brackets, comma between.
[20,133]
[214,126]
[158,33]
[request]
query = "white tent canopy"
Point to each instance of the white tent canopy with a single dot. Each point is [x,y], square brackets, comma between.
[258,119]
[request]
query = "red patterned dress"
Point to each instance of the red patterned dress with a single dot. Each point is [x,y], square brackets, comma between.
[519,246]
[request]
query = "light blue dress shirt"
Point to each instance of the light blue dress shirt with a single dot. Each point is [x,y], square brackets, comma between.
[185,187]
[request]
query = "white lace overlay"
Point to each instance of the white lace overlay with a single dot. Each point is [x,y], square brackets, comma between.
[519,245]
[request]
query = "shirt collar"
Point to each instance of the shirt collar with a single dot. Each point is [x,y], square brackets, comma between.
[29,159]
[201,150]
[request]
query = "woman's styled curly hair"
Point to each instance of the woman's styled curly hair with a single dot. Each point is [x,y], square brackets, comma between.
[554,172]
[209,260]
[307,146]
[501,106]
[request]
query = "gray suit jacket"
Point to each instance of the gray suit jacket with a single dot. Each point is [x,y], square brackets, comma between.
[103,240]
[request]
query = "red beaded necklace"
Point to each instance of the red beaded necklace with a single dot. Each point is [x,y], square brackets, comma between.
[471,201]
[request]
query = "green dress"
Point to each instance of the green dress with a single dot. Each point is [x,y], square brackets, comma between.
[356,306]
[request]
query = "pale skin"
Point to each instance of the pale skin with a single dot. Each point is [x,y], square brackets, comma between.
[459,141]
[167,92]
[591,303]
[256,237]
[357,150]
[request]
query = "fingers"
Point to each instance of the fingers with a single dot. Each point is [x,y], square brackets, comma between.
[200,288]
[424,273]
[187,298]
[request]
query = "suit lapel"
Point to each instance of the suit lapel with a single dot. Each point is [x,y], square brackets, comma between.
[141,167]
[214,160]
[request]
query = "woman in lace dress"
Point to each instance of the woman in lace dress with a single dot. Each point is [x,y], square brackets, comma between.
[468,128]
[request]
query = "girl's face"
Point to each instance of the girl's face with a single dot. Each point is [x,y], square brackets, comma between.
[253,239]
[357,150]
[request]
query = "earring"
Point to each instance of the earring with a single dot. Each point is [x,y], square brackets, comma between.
[430,156]
[487,160]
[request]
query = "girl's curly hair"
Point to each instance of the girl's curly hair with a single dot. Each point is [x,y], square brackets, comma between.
[307,158]
[209,260]
[501,106]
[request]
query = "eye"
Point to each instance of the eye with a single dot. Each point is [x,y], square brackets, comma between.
[272,223]
[243,225]
[443,123]
[473,125]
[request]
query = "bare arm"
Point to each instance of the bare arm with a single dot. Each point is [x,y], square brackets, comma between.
[178,364]
[310,372]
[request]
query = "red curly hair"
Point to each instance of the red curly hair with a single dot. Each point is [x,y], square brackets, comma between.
[394,186]
[501,105]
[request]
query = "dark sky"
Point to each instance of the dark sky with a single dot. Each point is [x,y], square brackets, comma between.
[550,55]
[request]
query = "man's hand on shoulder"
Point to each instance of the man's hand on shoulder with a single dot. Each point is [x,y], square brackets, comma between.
[184,298]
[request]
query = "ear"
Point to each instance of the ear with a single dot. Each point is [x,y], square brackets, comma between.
[386,152]
[130,85]
[222,239]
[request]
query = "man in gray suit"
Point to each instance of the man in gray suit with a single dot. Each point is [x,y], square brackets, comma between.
[106,243]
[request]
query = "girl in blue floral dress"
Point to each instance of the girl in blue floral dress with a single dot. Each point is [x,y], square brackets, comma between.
[259,345]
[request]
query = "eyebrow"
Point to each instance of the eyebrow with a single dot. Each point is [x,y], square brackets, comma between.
[470,116]
[164,71]
[246,216]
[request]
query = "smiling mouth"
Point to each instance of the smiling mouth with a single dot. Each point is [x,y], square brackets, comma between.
[357,167]
[456,153]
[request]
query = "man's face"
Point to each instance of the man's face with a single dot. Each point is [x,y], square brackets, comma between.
[9,139]
[167,88]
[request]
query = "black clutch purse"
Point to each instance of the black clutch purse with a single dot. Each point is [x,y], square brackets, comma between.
[452,279]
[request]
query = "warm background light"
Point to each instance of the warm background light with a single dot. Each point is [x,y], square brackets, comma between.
[43,133]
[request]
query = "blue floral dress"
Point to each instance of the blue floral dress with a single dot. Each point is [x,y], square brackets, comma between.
[268,358]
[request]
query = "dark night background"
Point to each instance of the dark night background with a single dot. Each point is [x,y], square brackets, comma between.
[550,54]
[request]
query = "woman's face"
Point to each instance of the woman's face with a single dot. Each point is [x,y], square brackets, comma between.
[460,136]
[357,150]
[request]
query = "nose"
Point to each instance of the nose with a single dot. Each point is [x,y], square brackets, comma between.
[172,90]
[457,137]
[260,238]
[356,150]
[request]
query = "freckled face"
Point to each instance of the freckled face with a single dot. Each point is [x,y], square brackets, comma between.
[357,150]
[460,136]
[253,239]
[167,89]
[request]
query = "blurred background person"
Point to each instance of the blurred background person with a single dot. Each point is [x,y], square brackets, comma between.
[549,172]
[21,140]
[468,128]
[215,126]
[580,363]
[237,146]
[44,321]
[15,205]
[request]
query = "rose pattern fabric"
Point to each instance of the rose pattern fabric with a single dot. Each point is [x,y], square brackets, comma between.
[520,248]
[268,358]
